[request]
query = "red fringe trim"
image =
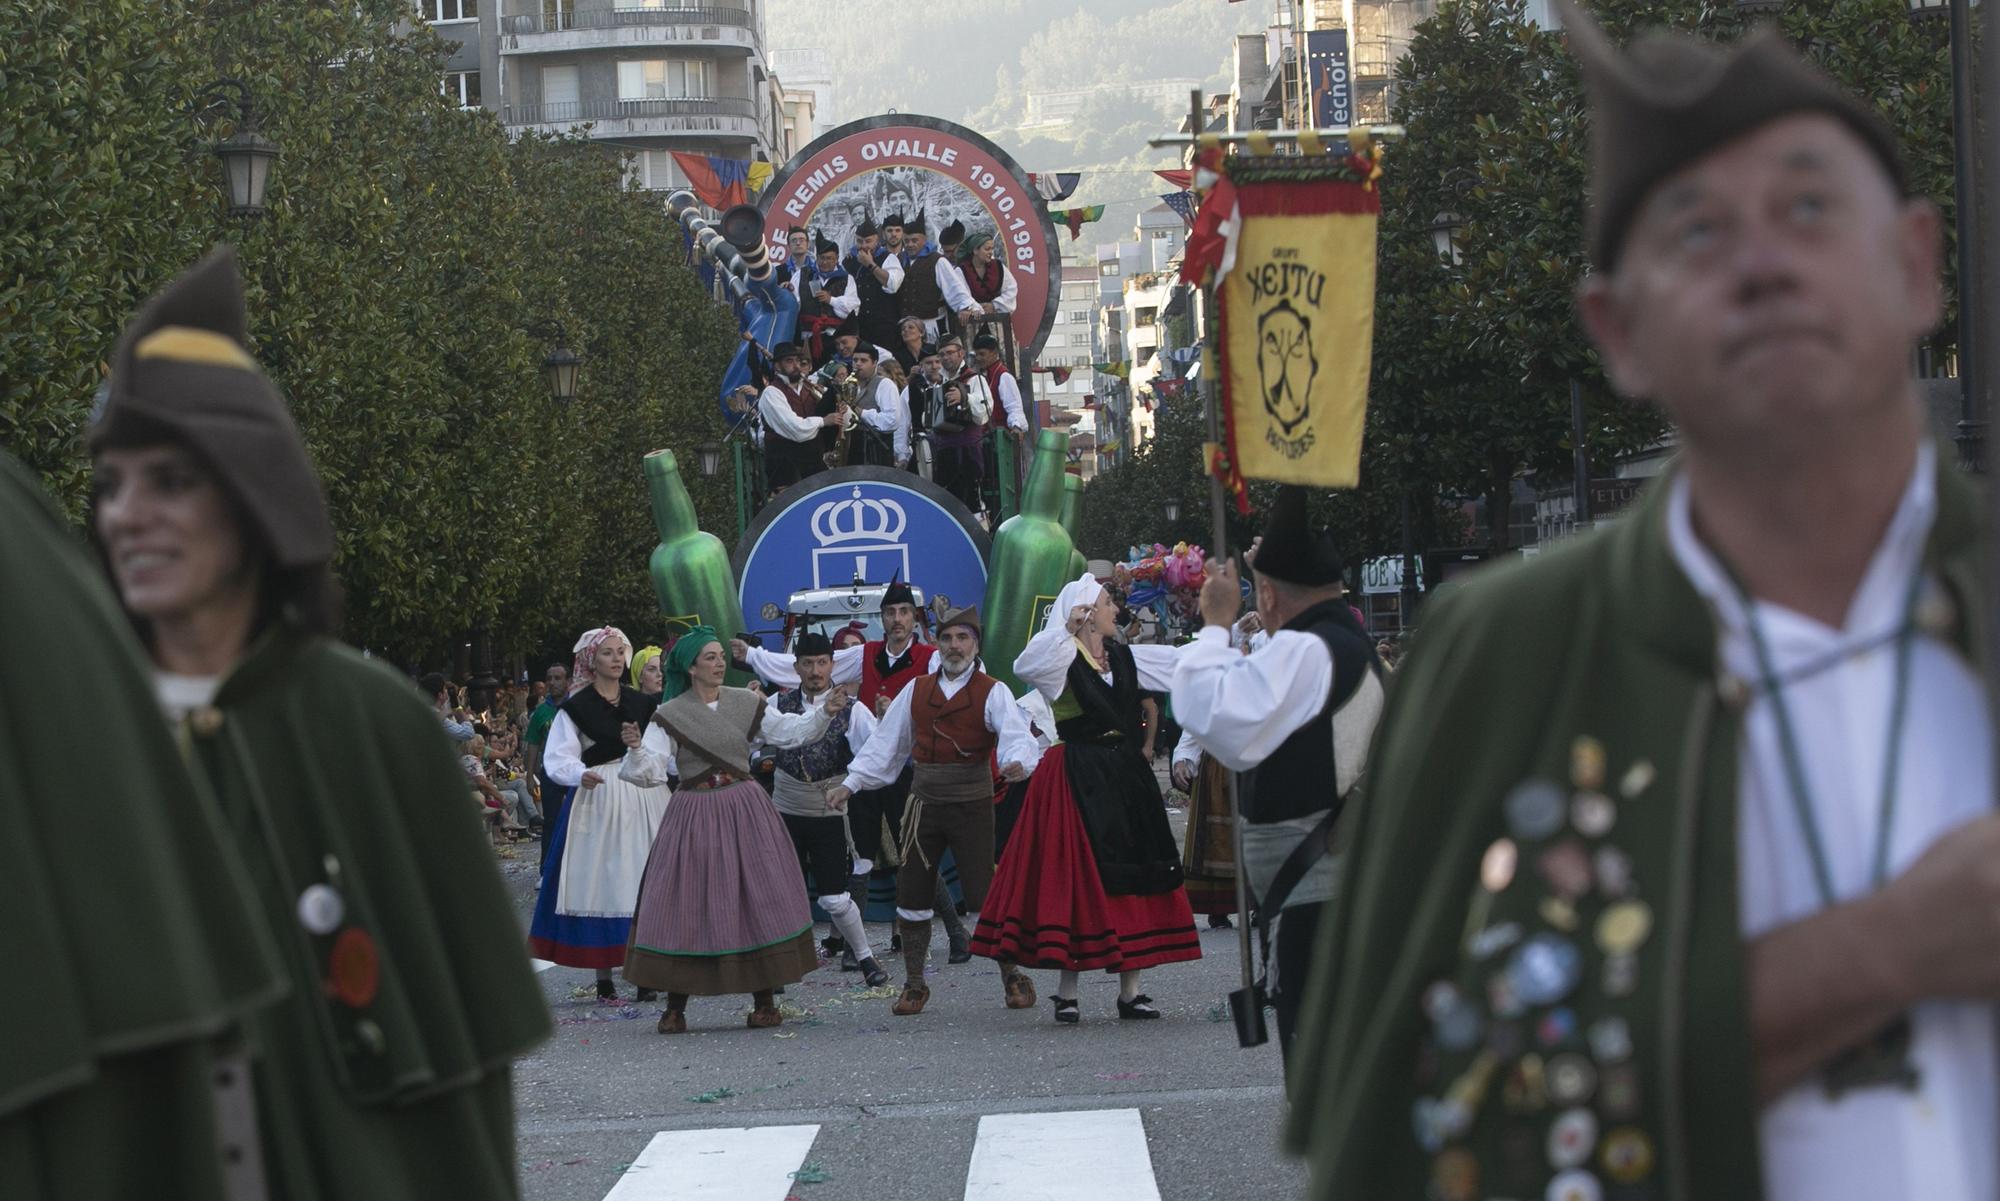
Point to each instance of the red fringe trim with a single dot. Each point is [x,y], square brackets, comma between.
[1275,199]
[1230,474]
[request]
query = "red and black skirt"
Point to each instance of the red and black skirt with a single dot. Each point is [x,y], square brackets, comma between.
[1049,906]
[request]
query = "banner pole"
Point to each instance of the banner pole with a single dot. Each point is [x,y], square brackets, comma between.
[1219,540]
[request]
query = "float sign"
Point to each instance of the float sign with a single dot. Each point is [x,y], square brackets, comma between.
[902,165]
[866,523]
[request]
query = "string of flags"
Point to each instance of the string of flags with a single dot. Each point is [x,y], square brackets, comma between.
[1059,374]
[722,183]
[1122,369]
[1054,186]
[1077,218]
[1183,204]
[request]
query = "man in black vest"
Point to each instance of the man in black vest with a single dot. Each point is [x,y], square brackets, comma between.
[922,293]
[1295,718]
[877,275]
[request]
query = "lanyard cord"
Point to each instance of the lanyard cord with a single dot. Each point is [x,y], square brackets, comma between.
[1772,685]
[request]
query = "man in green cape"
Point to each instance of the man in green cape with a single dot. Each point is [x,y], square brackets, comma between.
[1673,873]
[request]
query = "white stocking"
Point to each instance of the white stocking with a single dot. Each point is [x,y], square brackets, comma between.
[846,917]
[1128,985]
[1066,986]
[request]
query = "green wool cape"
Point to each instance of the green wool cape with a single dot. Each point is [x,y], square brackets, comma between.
[386,1074]
[1405,1089]
[134,950]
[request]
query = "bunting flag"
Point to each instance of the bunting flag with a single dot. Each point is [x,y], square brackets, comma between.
[1121,369]
[1183,204]
[1055,186]
[1077,218]
[1295,284]
[1059,374]
[1180,179]
[722,183]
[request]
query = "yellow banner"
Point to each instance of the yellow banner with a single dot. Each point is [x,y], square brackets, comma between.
[1298,326]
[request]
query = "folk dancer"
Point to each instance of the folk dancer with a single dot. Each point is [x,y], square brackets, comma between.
[990,288]
[383,1071]
[827,296]
[1717,898]
[590,879]
[881,668]
[927,277]
[955,723]
[1208,853]
[1091,878]
[960,438]
[877,274]
[814,731]
[723,908]
[882,437]
[1295,718]
[792,421]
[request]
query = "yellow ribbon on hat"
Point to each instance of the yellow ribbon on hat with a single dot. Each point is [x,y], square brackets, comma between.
[186,344]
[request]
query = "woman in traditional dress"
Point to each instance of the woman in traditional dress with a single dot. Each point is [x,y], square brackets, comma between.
[1208,860]
[383,1073]
[1091,878]
[597,852]
[646,673]
[723,908]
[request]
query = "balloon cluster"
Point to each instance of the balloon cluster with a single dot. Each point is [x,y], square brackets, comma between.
[1168,582]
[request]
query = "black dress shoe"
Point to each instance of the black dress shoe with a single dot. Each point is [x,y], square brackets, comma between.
[607,991]
[848,963]
[647,994]
[1139,1008]
[872,972]
[961,955]
[1066,1011]
[1220,921]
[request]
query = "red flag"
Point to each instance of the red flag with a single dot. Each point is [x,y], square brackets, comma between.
[1180,179]
[718,182]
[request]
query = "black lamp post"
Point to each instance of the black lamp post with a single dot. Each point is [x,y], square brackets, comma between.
[246,154]
[1172,509]
[562,365]
[709,455]
[1444,235]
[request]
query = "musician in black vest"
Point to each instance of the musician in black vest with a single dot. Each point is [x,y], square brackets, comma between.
[1295,718]
[924,275]
[792,420]
[877,275]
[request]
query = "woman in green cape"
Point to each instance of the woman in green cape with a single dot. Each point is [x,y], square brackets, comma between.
[385,1074]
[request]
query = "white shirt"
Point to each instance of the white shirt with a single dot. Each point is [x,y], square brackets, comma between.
[1045,661]
[783,731]
[889,414]
[1240,707]
[182,695]
[1009,290]
[882,760]
[1936,1143]
[562,758]
[951,281]
[782,670]
[779,418]
[891,264]
[1010,400]
[1187,750]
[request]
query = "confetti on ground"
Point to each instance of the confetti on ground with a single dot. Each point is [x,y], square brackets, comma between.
[793,1011]
[786,1034]
[1218,1013]
[1119,1075]
[582,992]
[875,994]
[712,1096]
[542,1166]
[623,1013]
[765,1088]
[570,1163]
[812,1173]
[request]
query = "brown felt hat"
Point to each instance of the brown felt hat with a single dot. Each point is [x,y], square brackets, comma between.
[181,373]
[966,615]
[1669,99]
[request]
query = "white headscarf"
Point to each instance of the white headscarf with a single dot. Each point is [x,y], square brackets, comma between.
[583,670]
[1084,590]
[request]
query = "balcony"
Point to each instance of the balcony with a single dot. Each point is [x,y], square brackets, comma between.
[720,116]
[600,28]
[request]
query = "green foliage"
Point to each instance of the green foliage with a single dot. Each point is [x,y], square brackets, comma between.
[408,251]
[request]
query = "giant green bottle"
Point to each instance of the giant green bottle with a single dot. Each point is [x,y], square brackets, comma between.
[1072,522]
[690,566]
[1030,561]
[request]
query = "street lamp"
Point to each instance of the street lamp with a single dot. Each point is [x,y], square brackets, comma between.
[1172,509]
[709,454]
[246,154]
[562,365]
[1444,235]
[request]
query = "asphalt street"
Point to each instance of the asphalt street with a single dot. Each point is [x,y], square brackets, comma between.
[897,1102]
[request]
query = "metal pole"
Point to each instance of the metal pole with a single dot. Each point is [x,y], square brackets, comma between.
[1219,542]
[1965,195]
[1580,456]
[1407,608]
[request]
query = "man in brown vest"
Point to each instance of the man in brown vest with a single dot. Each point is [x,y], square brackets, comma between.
[953,722]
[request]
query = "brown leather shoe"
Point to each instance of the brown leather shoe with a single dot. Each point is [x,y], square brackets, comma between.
[912,1001]
[1020,990]
[673,1022]
[764,1017]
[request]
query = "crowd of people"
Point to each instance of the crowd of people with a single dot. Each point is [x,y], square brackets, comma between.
[894,362]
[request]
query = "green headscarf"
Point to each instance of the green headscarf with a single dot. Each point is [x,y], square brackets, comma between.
[641,657]
[682,657]
[972,245]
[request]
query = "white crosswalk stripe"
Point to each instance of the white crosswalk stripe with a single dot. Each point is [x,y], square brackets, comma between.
[1069,1155]
[1086,1155]
[737,1164]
